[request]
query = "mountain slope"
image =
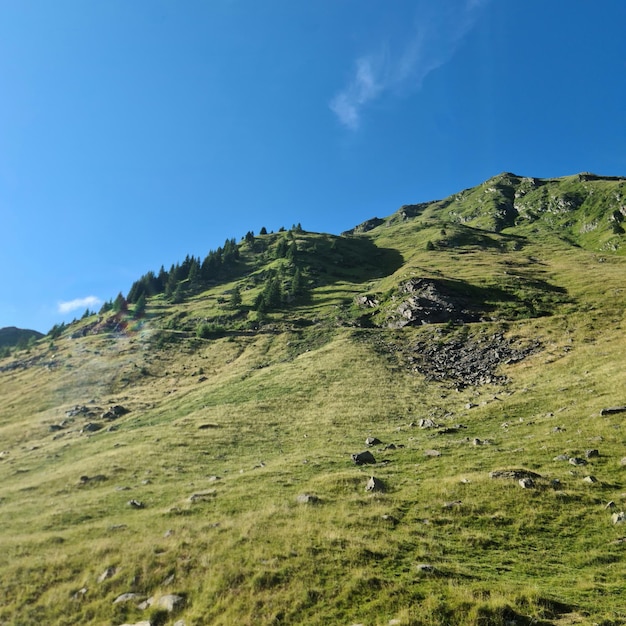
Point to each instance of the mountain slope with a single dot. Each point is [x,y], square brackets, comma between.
[203,447]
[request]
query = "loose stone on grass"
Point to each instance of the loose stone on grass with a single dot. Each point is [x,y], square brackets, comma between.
[109,572]
[577,461]
[127,597]
[364,458]
[618,518]
[514,474]
[372,441]
[612,410]
[207,494]
[432,453]
[375,484]
[307,498]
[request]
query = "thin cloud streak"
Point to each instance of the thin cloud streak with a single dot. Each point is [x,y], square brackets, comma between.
[365,86]
[438,33]
[78,303]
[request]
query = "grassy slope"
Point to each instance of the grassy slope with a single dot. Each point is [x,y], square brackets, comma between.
[283,409]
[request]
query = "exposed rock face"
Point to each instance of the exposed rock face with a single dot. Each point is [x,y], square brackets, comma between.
[427,301]
[365,226]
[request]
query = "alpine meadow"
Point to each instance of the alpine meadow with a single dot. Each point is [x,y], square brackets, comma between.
[418,422]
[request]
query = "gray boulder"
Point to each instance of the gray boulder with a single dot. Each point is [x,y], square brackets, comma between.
[127,597]
[375,484]
[364,458]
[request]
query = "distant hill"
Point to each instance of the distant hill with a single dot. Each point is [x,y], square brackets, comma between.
[11,336]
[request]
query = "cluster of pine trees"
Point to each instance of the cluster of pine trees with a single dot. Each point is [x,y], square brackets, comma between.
[182,279]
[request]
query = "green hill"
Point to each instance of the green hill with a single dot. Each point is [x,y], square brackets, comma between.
[10,336]
[198,442]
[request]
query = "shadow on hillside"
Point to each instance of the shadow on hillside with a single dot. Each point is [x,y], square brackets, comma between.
[352,259]
[462,235]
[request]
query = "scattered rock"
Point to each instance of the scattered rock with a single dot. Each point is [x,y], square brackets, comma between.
[561,457]
[170,602]
[466,360]
[80,594]
[477,442]
[135,504]
[109,572]
[114,412]
[427,423]
[207,426]
[307,498]
[577,461]
[618,518]
[364,458]
[592,454]
[452,505]
[590,479]
[91,427]
[127,597]
[610,505]
[526,483]
[432,453]
[425,568]
[78,410]
[372,441]
[514,474]
[375,484]
[207,494]
[83,480]
[389,518]
[613,409]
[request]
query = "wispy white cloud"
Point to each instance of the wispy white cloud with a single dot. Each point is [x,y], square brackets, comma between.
[79,303]
[365,86]
[438,32]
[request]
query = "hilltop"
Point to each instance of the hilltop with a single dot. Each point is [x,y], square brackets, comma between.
[10,336]
[416,422]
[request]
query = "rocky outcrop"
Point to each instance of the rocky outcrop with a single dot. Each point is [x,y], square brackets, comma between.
[428,301]
[364,227]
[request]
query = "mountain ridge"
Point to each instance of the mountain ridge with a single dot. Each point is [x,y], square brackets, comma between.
[203,437]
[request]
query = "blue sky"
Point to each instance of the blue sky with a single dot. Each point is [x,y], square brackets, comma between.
[133,133]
